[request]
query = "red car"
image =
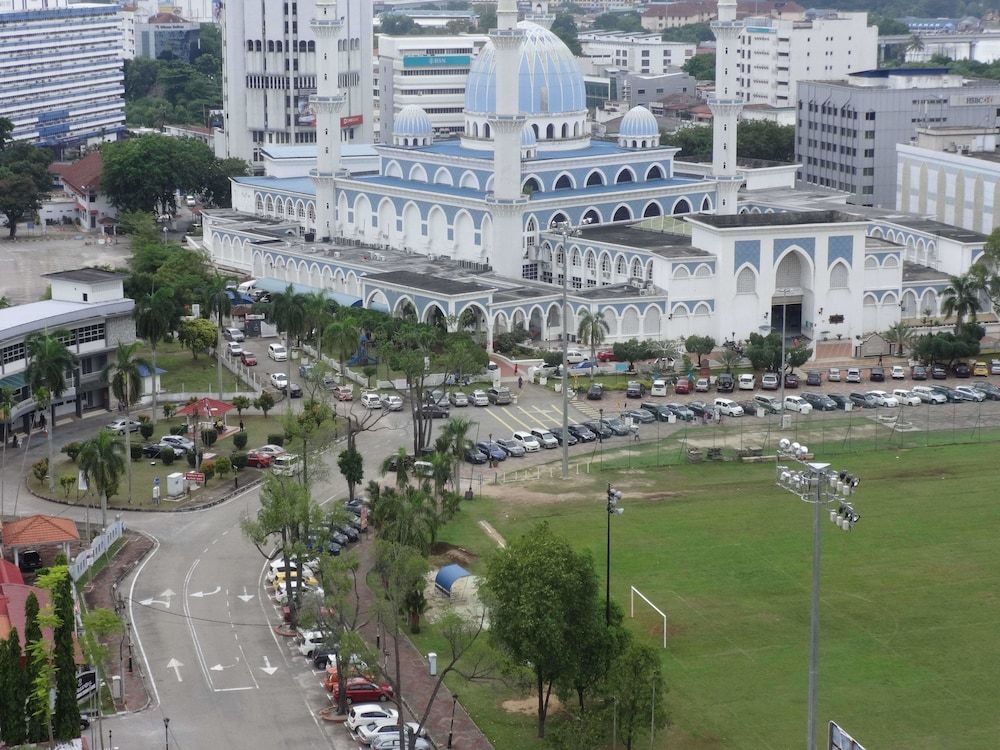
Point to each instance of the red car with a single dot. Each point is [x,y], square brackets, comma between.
[360,690]
[683,386]
[248,358]
[259,460]
[606,356]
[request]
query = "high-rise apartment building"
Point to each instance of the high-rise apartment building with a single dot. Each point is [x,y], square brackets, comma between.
[646,54]
[61,79]
[429,71]
[847,130]
[776,53]
[270,70]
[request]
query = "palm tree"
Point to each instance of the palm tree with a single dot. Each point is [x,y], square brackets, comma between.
[454,437]
[961,298]
[901,335]
[154,320]
[218,302]
[406,517]
[102,463]
[123,375]
[287,310]
[343,338]
[399,459]
[730,359]
[592,330]
[48,362]
[317,317]
[6,408]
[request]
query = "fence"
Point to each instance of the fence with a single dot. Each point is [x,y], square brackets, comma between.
[101,544]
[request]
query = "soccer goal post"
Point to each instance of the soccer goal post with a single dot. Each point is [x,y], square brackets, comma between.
[633,593]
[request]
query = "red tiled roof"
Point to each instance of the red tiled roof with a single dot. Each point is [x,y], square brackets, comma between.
[166,18]
[40,529]
[13,597]
[83,174]
[205,407]
[10,573]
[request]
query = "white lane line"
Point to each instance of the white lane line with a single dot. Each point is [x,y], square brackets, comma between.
[190,623]
[131,616]
[500,419]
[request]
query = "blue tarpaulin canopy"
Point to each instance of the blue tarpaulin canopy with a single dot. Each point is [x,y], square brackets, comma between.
[276,285]
[447,576]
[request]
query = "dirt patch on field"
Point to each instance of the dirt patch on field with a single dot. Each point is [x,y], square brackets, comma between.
[454,554]
[529,706]
[533,493]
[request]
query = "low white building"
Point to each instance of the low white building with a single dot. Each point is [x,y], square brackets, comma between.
[81,184]
[636,52]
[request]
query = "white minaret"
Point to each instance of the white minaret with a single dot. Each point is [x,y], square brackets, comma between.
[726,105]
[506,123]
[540,14]
[326,103]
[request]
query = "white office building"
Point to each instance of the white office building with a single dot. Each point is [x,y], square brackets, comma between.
[270,70]
[775,54]
[646,54]
[61,80]
[429,71]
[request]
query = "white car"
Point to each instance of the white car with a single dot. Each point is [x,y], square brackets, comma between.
[365,713]
[279,380]
[853,375]
[121,426]
[368,733]
[729,408]
[178,442]
[884,399]
[546,438]
[833,375]
[308,641]
[529,441]
[973,393]
[995,367]
[234,348]
[391,401]
[928,395]
[906,398]
[659,388]
[746,382]
[371,401]
[797,403]
[897,372]
[276,568]
[479,398]
[457,398]
[392,743]
[271,450]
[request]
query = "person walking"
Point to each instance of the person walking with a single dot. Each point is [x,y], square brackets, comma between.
[520,382]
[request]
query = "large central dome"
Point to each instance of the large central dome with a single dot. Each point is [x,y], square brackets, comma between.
[550,82]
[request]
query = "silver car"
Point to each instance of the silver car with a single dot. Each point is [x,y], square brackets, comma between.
[457,398]
[513,447]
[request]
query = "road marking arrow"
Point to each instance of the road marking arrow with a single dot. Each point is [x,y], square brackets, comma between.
[164,599]
[267,668]
[245,596]
[200,594]
[219,667]
[176,666]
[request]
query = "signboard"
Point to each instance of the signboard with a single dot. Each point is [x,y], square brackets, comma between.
[436,61]
[351,120]
[841,740]
[973,100]
[86,684]
[195,476]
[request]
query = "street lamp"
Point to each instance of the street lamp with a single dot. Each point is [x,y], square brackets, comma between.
[566,228]
[614,496]
[166,732]
[818,484]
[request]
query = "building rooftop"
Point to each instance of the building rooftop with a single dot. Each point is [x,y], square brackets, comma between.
[665,244]
[914,272]
[82,174]
[788,218]
[428,282]
[937,228]
[86,275]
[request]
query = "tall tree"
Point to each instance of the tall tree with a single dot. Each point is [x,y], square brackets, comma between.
[155,315]
[352,467]
[7,400]
[961,298]
[124,376]
[287,310]
[900,334]
[564,27]
[49,361]
[218,303]
[37,706]
[702,67]
[66,709]
[700,345]
[197,335]
[406,517]
[537,590]
[454,440]
[318,317]
[24,181]
[102,462]
[7,129]
[13,691]
[638,687]
[592,331]
[342,338]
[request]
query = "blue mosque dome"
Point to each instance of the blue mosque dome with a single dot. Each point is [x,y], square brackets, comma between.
[528,139]
[639,122]
[550,81]
[413,122]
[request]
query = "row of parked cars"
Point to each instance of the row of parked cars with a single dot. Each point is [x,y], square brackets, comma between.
[438,404]
[540,438]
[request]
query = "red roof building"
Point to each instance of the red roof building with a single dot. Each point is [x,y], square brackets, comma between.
[39,531]
[81,181]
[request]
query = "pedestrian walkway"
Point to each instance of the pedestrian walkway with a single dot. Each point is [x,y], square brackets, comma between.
[417,683]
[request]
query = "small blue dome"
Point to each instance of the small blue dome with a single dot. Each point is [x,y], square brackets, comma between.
[412,122]
[528,139]
[550,81]
[639,122]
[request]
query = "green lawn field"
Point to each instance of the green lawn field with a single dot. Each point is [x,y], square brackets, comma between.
[910,599]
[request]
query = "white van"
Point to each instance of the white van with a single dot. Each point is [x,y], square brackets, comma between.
[729,408]
[277,352]
[423,469]
[659,388]
[575,356]
[286,464]
[246,287]
[233,334]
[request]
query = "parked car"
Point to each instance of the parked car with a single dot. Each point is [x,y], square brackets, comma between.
[457,398]
[840,400]
[635,389]
[962,370]
[939,372]
[391,401]
[980,370]
[995,367]
[681,411]
[570,438]
[950,393]
[343,392]
[307,641]
[797,403]
[479,398]
[293,390]
[725,383]
[769,381]
[234,349]
[974,393]
[545,438]
[379,729]
[695,409]
[884,399]
[658,388]
[180,443]
[499,395]
[528,441]
[617,426]
[259,460]
[929,395]
[434,411]
[279,380]
[393,743]
[682,386]
[286,465]
[514,448]
[862,400]
[606,355]
[877,374]
[991,392]
[232,334]
[366,713]
[833,374]
[121,426]
[361,690]
[277,352]
[660,411]
[820,402]
[583,434]
[897,372]
[728,407]
[769,404]
[813,377]
[493,451]
[153,450]
[475,456]
[701,385]
[248,359]
[746,382]
[595,392]
[906,398]
[600,429]
[371,401]
[791,380]
[918,372]
[639,415]
[853,375]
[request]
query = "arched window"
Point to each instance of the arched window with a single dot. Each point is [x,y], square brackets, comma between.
[592,217]
[486,131]
[622,214]
[564,183]
[270,45]
[531,185]
[653,209]
[257,46]
[746,281]
[550,131]
[624,176]
[620,266]
[606,264]
[565,130]
[891,261]
[595,178]
[682,207]
[575,258]
[312,46]
[249,45]
[654,173]
[839,277]
[591,261]
[636,269]
[871,263]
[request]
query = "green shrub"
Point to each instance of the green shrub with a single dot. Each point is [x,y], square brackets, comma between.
[146,430]
[167,456]
[178,429]
[40,469]
[238,460]
[276,439]
[169,409]
[208,469]
[135,451]
[240,440]
[72,450]
[552,359]
[209,436]
[67,482]
[190,455]
[223,466]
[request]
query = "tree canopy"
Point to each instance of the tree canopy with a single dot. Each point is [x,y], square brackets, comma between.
[755,139]
[693,33]
[702,67]
[630,21]
[24,180]
[564,27]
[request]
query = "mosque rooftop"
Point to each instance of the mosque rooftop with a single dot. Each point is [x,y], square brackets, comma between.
[665,244]
[778,219]
[914,272]
[435,283]
[454,147]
